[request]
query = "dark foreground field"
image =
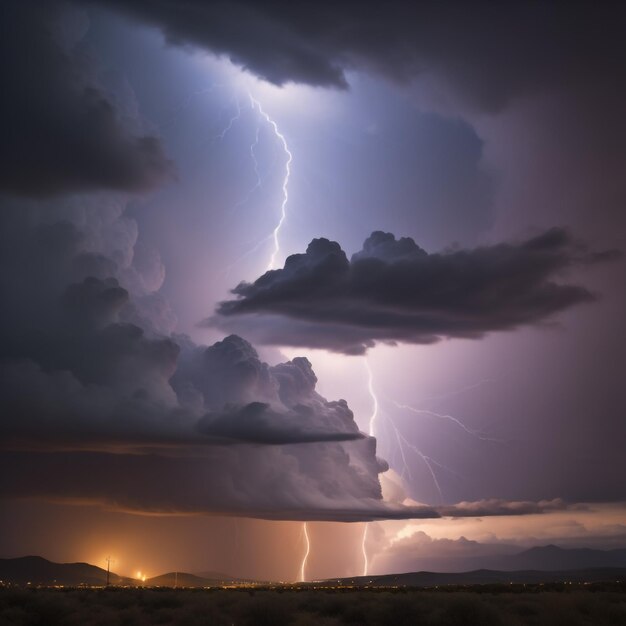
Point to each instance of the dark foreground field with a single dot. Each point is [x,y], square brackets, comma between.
[263,607]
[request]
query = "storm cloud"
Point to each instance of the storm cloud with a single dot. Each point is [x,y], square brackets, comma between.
[263,482]
[103,404]
[76,432]
[488,52]
[393,291]
[95,387]
[62,130]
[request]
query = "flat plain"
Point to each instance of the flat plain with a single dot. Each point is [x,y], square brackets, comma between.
[481,605]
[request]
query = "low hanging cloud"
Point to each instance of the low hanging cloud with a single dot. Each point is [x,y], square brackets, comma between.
[61,131]
[267,482]
[495,506]
[393,291]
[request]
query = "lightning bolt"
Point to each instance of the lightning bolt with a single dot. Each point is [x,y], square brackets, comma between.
[370,431]
[450,418]
[285,185]
[231,121]
[275,234]
[428,462]
[370,389]
[255,104]
[405,445]
[402,441]
[246,254]
[255,162]
[307,544]
[175,114]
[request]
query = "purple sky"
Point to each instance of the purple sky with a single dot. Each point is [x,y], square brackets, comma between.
[441,190]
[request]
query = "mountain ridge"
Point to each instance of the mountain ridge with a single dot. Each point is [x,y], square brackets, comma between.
[37,570]
[537,564]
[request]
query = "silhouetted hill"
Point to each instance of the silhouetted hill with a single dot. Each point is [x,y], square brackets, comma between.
[483,577]
[554,558]
[546,558]
[39,571]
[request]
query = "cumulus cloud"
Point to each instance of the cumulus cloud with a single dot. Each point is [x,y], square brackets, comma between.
[94,390]
[102,408]
[61,130]
[421,552]
[101,405]
[392,291]
[100,401]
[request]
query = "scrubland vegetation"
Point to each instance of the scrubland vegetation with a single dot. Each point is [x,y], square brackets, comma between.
[296,607]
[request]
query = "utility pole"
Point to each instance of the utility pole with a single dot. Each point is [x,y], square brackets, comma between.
[108,559]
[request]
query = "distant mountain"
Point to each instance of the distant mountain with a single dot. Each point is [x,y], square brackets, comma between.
[554,558]
[482,577]
[39,571]
[544,558]
[543,564]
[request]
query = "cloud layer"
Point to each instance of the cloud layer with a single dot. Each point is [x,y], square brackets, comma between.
[95,388]
[393,291]
[103,404]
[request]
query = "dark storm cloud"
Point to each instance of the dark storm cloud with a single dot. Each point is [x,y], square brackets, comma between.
[60,130]
[247,481]
[392,290]
[99,410]
[257,423]
[100,406]
[489,51]
[90,377]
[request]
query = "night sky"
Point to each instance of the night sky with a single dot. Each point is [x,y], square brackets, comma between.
[344,271]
